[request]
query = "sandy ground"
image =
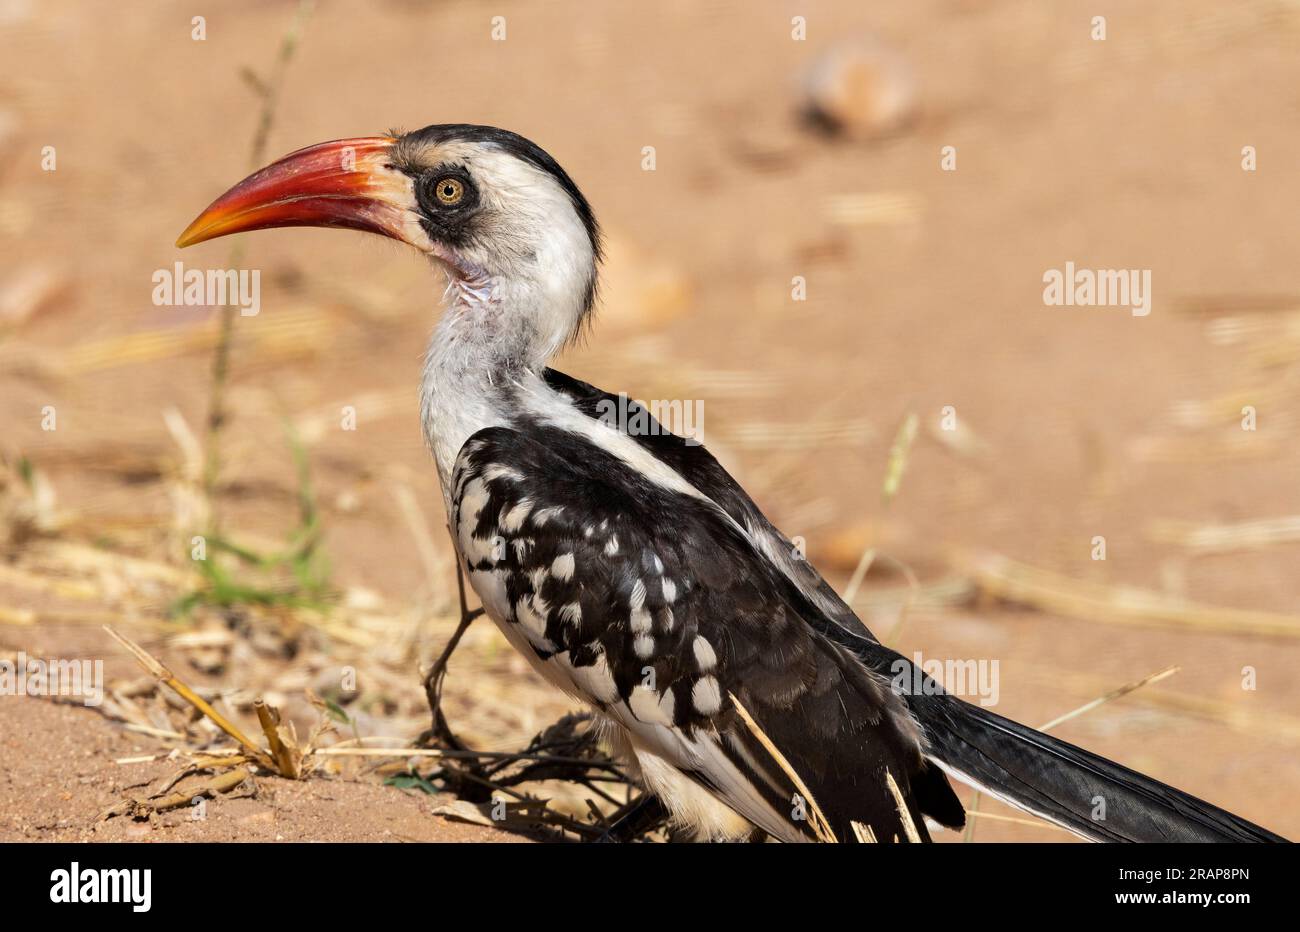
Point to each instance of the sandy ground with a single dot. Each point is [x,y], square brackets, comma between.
[89,782]
[924,290]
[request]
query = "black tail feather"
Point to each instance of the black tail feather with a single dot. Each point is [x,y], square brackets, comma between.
[1088,794]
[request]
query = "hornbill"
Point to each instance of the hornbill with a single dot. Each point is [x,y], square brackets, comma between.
[631,570]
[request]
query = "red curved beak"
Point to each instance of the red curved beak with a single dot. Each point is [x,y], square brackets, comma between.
[347,183]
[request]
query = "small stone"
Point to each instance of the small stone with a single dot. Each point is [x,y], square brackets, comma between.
[861,90]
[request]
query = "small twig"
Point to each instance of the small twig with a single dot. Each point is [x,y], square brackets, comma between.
[864,833]
[904,814]
[899,453]
[1006,579]
[415,522]
[153,732]
[269,719]
[905,608]
[165,676]
[217,784]
[1110,696]
[969,834]
[596,813]
[1086,707]
[220,783]
[859,574]
[1032,823]
[820,826]
[270,94]
[382,752]
[591,785]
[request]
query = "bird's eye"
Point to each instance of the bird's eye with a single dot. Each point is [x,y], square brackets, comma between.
[449,191]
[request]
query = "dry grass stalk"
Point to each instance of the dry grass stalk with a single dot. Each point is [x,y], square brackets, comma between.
[337,751]
[973,809]
[1226,409]
[903,812]
[1238,445]
[68,588]
[799,436]
[1237,303]
[904,599]
[289,332]
[899,454]
[215,785]
[270,93]
[1032,823]
[948,592]
[1004,578]
[1271,724]
[167,678]
[153,732]
[864,833]
[288,759]
[1226,538]
[17,616]
[859,574]
[69,554]
[189,504]
[1283,351]
[419,528]
[1109,697]
[860,209]
[968,835]
[820,826]
[1251,329]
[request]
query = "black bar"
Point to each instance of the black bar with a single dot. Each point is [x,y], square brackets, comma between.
[937,881]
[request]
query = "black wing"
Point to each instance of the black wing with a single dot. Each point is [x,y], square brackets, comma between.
[1036,772]
[655,607]
[699,467]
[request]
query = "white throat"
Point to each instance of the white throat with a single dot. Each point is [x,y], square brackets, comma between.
[461,390]
[487,352]
[503,324]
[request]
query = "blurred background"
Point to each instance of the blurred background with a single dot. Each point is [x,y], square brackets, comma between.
[797,152]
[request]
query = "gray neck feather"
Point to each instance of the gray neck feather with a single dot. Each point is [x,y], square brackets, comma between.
[483,355]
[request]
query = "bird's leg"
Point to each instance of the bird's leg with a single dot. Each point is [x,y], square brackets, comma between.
[635,819]
[440,731]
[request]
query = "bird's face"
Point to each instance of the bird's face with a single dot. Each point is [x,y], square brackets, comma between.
[491,206]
